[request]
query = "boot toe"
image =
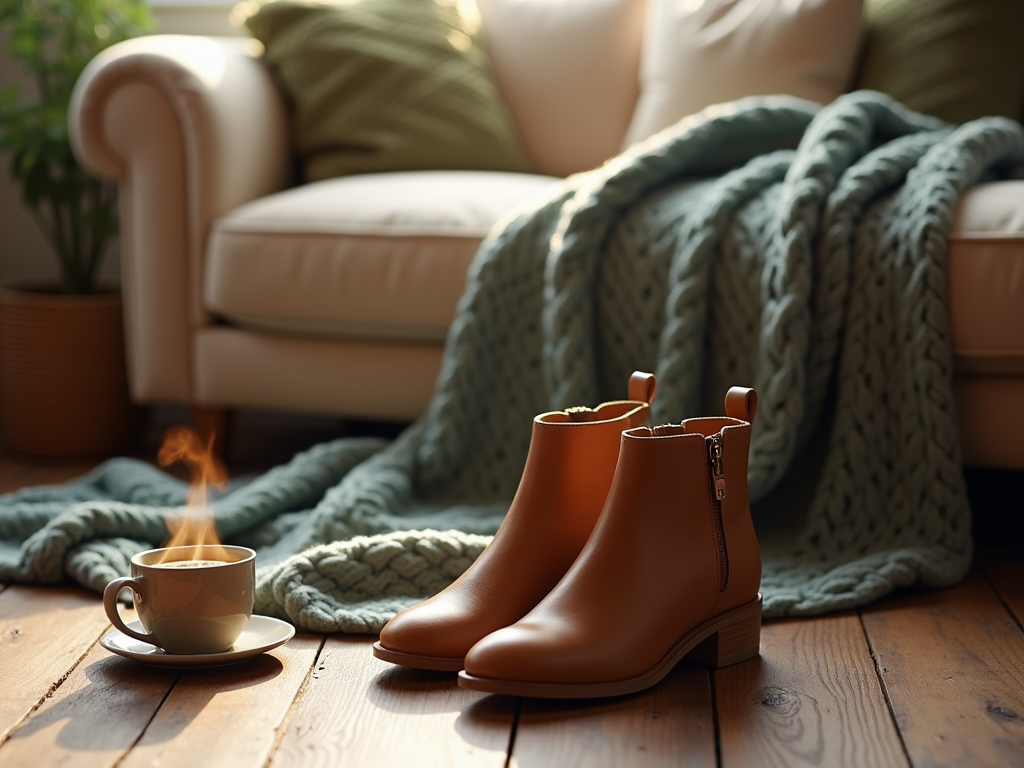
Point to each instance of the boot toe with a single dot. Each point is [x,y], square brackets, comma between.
[433,628]
[528,653]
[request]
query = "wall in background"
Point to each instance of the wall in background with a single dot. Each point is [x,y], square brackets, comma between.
[24,252]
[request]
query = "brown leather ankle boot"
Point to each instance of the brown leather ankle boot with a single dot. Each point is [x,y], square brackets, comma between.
[672,569]
[568,471]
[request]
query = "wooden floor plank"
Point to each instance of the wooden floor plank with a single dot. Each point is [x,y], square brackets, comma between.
[952,664]
[44,632]
[360,711]
[669,725]
[811,699]
[20,472]
[1005,571]
[227,716]
[95,716]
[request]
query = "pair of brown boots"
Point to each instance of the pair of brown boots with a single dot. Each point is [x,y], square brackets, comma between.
[625,549]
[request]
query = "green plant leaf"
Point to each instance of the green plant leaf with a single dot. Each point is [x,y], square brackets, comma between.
[53,41]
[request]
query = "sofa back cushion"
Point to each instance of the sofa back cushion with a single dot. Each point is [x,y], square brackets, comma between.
[702,52]
[568,72]
[386,85]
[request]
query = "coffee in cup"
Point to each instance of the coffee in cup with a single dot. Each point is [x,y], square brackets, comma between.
[191,564]
[187,606]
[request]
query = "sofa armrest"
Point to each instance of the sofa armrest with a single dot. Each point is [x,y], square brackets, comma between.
[190,127]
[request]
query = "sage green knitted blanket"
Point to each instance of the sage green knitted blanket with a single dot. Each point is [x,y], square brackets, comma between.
[767,242]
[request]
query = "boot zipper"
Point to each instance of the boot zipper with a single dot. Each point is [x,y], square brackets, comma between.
[717,477]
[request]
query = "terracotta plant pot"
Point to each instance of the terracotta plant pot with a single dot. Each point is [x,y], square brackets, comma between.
[63,380]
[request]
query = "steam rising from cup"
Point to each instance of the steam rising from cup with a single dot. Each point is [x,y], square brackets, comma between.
[194,526]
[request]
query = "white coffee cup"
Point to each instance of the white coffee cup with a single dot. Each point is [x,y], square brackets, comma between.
[187,606]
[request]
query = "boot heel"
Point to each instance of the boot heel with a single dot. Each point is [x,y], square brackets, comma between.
[738,641]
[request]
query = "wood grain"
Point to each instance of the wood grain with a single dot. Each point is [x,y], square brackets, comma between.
[360,711]
[1005,571]
[952,664]
[227,716]
[670,724]
[44,632]
[811,699]
[93,718]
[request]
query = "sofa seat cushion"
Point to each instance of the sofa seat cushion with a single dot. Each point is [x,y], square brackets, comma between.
[986,280]
[373,256]
[385,256]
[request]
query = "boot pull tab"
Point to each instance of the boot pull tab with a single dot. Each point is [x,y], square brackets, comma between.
[642,386]
[740,403]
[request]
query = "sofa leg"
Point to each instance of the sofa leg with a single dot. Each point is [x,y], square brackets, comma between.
[215,422]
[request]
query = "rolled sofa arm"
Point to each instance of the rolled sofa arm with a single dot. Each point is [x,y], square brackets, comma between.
[190,127]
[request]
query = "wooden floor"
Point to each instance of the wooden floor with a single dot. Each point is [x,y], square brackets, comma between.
[919,679]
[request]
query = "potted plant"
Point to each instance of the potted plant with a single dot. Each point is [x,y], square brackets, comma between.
[63,384]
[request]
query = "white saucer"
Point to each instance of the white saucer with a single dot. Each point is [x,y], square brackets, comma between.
[260,635]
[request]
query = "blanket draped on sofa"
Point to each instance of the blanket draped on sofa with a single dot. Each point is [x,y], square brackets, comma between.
[768,243]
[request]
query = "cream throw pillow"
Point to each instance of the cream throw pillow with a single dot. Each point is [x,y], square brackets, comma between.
[702,52]
[568,71]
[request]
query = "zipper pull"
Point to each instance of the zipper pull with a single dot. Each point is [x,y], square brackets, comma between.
[717,467]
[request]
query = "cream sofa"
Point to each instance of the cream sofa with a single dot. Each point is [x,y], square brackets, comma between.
[244,291]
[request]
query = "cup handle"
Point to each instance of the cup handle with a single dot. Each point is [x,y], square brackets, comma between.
[110,593]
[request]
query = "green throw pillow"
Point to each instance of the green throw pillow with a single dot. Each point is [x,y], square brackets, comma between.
[954,59]
[386,85]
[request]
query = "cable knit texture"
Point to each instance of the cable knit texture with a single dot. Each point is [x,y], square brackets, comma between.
[767,242]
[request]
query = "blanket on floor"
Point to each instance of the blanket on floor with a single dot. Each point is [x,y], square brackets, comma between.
[768,242]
